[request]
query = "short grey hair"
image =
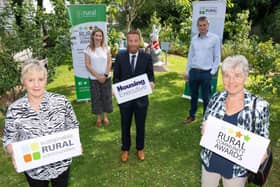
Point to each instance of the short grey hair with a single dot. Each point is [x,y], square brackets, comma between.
[33,65]
[234,62]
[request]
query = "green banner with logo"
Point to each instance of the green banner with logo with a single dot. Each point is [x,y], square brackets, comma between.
[84,18]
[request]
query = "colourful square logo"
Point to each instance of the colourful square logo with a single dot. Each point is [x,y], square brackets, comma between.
[34,147]
[202,11]
[27,158]
[36,155]
[31,152]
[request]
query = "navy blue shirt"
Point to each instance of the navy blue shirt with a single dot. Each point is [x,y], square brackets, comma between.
[219,164]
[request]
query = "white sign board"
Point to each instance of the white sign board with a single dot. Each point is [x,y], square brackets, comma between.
[36,152]
[234,143]
[133,88]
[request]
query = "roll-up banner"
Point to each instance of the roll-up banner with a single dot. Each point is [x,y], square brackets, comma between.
[84,18]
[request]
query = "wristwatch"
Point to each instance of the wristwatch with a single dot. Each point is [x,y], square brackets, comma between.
[106,75]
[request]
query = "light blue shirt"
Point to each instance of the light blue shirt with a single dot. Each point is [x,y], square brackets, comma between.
[204,53]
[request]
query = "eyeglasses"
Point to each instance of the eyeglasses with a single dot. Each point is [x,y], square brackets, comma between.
[233,76]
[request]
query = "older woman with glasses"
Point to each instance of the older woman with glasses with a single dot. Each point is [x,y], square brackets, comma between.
[233,105]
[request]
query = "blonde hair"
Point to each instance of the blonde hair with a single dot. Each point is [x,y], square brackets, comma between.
[91,43]
[33,65]
[202,18]
[234,62]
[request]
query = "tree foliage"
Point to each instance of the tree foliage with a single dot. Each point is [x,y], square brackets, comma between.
[263,57]
[45,35]
[262,15]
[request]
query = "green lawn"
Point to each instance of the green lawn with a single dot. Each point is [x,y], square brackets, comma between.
[172,149]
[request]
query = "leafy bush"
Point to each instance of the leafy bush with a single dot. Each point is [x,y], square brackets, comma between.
[45,35]
[263,57]
[265,65]
[113,38]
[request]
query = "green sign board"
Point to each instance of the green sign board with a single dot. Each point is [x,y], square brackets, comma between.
[86,13]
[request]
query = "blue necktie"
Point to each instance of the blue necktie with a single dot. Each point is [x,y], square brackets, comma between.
[132,63]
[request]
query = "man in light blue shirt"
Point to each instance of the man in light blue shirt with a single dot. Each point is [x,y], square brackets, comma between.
[203,62]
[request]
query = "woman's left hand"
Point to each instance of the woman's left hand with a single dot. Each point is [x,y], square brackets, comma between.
[101,78]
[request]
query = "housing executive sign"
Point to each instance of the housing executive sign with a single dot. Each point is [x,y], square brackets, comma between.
[133,88]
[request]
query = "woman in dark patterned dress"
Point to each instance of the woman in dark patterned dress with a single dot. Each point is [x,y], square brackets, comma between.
[98,62]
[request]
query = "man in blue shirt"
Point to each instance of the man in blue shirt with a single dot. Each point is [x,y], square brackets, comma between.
[203,62]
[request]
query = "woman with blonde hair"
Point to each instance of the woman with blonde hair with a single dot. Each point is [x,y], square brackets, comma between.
[39,113]
[98,62]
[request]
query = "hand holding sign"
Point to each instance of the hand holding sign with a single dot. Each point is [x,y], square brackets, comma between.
[203,126]
[33,153]
[152,85]
[234,143]
[9,149]
[133,88]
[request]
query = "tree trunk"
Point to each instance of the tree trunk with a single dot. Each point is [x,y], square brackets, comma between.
[131,8]
[18,17]
[129,26]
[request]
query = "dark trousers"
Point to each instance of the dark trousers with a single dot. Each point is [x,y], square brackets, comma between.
[127,113]
[199,79]
[60,181]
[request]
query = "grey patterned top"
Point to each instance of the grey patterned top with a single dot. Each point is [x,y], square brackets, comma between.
[216,108]
[22,122]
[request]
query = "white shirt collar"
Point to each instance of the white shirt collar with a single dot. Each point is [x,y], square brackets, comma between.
[136,55]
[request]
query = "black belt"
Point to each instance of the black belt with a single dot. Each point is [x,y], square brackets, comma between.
[200,70]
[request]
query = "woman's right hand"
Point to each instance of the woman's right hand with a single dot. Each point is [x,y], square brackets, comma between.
[101,78]
[203,126]
[9,149]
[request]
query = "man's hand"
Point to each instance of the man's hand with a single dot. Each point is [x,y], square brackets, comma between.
[152,84]
[186,78]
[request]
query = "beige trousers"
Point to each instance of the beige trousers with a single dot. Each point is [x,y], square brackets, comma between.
[211,179]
